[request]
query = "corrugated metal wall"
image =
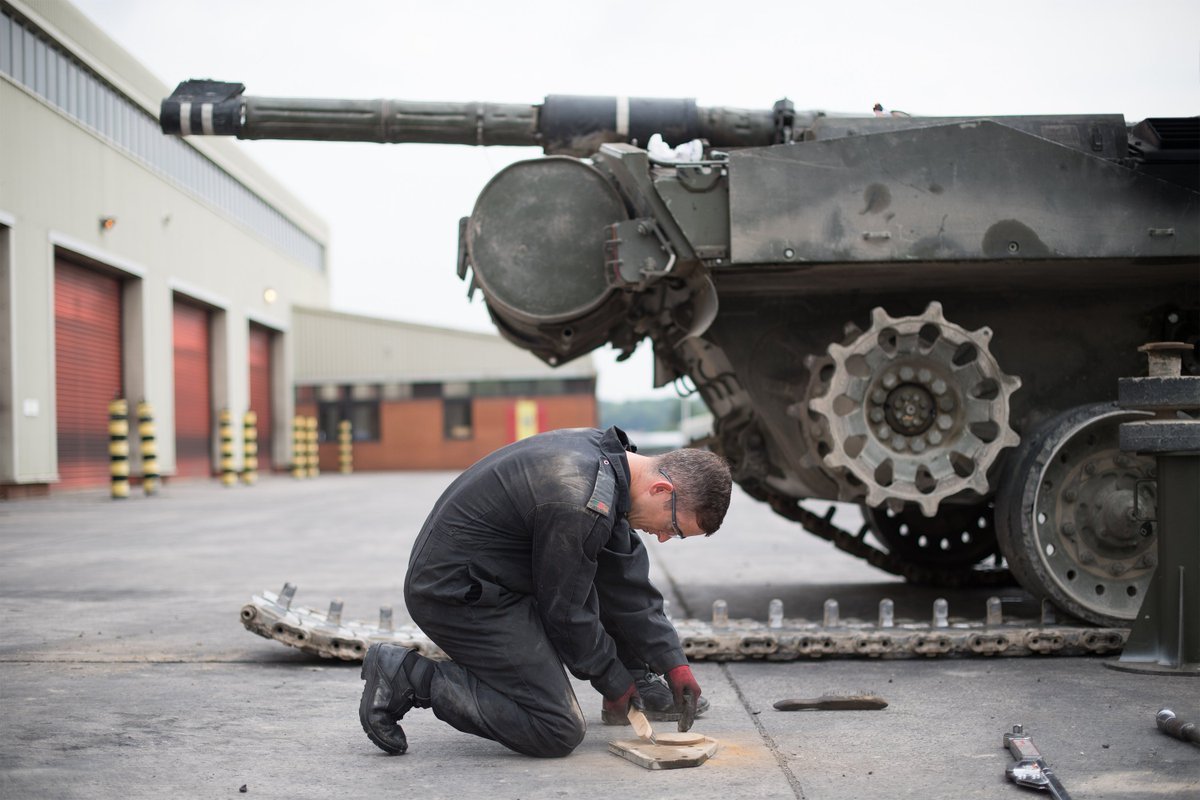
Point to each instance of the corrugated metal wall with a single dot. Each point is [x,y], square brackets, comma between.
[193,390]
[333,347]
[87,351]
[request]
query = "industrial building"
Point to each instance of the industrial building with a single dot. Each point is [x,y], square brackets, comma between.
[420,397]
[156,269]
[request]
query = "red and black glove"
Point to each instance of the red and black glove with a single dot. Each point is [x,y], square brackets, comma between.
[686,692]
[618,709]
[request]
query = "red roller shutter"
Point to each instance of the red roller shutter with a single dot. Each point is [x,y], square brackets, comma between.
[193,391]
[87,352]
[260,391]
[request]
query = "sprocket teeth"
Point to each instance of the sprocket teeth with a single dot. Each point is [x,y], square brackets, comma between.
[904,436]
[928,505]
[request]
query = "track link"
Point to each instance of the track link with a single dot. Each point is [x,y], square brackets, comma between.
[272,616]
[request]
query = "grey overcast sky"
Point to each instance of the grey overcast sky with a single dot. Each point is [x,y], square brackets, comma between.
[394,209]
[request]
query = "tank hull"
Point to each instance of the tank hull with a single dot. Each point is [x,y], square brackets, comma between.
[925,316]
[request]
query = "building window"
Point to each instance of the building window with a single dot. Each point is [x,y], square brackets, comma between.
[456,415]
[358,404]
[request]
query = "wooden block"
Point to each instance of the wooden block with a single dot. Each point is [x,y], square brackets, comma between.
[664,756]
[676,739]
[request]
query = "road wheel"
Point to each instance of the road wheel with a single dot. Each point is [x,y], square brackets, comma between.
[1065,516]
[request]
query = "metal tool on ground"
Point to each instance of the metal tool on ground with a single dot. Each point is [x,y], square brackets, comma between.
[1031,769]
[834,702]
[641,725]
[1172,725]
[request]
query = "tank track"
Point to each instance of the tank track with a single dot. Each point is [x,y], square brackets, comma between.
[856,545]
[272,616]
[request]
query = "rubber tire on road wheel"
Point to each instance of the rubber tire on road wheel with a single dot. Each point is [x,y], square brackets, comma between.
[1015,498]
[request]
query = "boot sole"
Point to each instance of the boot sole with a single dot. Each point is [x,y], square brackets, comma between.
[369,671]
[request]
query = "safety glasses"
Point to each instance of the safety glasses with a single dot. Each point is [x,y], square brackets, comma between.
[678,534]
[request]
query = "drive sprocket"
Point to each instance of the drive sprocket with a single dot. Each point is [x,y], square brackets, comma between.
[917,409]
[815,434]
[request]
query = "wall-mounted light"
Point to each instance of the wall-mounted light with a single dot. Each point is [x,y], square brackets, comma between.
[270,295]
[108,223]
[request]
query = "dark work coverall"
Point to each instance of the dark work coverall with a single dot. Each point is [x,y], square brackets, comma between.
[527,564]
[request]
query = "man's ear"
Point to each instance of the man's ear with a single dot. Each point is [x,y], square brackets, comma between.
[661,485]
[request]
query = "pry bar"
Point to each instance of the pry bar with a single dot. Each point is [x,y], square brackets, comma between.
[1031,770]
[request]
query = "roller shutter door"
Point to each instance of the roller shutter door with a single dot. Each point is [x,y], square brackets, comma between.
[87,352]
[260,391]
[193,391]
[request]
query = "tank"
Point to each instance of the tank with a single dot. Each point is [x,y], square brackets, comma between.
[924,316]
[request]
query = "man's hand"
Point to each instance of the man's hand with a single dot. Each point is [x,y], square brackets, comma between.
[686,692]
[619,708]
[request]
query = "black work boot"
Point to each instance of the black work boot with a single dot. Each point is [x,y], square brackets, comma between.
[390,693]
[657,697]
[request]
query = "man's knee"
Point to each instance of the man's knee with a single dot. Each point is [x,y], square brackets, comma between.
[560,738]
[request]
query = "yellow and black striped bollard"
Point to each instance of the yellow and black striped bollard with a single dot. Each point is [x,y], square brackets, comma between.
[118,447]
[225,419]
[250,448]
[314,452]
[299,446]
[146,433]
[345,447]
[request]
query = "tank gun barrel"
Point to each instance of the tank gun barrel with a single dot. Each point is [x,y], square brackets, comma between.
[562,124]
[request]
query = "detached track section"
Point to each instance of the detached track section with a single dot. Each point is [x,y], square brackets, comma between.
[272,616]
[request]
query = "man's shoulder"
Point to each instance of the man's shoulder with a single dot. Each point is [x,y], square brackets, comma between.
[604,491]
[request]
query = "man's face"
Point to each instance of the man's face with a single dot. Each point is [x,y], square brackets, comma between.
[650,512]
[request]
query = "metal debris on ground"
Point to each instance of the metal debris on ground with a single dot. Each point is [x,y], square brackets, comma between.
[834,702]
[1030,769]
[272,616]
[1172,725]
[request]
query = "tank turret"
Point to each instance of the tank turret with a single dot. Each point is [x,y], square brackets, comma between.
[926,316]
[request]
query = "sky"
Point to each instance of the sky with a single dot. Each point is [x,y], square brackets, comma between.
[393,210]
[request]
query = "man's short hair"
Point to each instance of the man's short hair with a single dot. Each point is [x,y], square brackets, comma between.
[702,484]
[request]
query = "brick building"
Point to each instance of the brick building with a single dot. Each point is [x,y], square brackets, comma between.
[420,397]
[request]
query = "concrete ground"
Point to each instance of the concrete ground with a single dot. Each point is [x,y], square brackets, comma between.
[125,671]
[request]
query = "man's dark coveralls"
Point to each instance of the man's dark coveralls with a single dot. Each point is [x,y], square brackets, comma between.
[526,564]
